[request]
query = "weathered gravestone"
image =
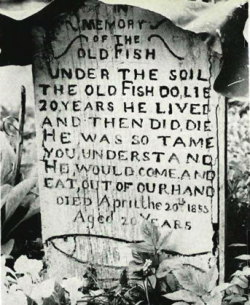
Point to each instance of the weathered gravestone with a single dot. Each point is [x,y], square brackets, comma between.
[128,128]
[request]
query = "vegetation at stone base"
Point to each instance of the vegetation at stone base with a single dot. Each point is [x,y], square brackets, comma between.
[151,279]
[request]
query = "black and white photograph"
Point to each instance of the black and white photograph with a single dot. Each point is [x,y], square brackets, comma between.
[125,152]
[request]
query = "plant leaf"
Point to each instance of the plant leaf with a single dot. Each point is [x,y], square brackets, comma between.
[25,283]
[59,294]
[5,190]
[182,295]
[8,160]
[238,245]
[10,271]
[221,288]
[138,257]
[7,247]
[166,266]
[244,272]
[237,299]
[228,298]
[25,265]
[71,285]
[34,209]
[242,282]
[150,233]
[152,280]
[162,241]
[43,290]
[213,300]
[234,289]
[17,195]
[212,277]
[243,257]
[191,279]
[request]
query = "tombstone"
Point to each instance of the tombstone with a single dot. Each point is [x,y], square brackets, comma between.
[128,128]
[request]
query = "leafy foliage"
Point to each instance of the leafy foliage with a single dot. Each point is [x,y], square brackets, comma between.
[147,282]
[26,285]
[147,257]
[19,197]
[238,155]
[238,183]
